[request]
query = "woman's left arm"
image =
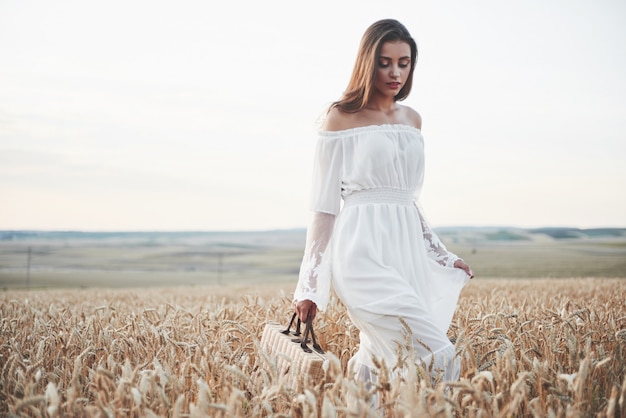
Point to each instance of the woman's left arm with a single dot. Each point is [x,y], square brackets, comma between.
[438,251]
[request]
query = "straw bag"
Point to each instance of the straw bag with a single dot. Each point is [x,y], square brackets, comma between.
[298,366]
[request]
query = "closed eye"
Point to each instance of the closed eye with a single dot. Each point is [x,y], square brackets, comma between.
[402,64]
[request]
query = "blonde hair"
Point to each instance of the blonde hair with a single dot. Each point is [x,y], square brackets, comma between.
[361,82]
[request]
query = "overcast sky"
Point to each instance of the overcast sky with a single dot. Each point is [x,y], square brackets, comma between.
[197,115]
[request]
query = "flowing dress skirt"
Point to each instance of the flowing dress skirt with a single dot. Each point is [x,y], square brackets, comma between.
[383,275]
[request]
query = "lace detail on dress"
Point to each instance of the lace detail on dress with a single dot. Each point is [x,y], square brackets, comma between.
[314,278]
[435,248]
[314,264]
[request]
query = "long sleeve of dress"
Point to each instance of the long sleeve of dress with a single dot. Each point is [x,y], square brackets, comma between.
[435,248]
[315,272]
[314,277]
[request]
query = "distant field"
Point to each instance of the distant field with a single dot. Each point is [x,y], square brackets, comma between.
[556,259]
[150,259]
[153,259]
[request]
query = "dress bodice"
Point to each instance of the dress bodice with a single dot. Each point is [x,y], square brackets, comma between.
[376,156]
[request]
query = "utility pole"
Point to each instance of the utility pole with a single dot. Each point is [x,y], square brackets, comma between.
[220,267]
[30,250]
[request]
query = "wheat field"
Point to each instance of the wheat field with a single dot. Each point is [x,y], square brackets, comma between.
[543,347]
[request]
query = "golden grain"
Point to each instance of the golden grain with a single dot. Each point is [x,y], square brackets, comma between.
[527,347]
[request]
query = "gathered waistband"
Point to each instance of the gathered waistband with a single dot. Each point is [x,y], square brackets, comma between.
[379,195]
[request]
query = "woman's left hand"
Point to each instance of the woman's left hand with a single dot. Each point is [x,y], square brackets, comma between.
[460,264]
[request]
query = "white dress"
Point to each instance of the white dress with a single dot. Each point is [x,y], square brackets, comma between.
[370,242]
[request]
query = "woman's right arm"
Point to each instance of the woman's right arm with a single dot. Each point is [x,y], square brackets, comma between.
[314,278]
[313,286]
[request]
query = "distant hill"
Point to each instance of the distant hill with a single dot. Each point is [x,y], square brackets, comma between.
[296,237]
[512,234]
[255,239]
[566,233]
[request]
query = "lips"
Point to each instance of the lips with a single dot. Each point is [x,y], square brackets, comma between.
[394,85]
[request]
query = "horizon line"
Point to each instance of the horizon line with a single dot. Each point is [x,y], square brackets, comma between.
[298,228]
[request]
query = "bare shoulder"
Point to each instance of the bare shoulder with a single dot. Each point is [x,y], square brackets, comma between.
[337,120]
[413,118]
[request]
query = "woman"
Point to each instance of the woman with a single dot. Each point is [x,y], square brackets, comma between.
[386,264]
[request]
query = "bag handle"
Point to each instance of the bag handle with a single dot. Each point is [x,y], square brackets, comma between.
[288,330]
[308,330]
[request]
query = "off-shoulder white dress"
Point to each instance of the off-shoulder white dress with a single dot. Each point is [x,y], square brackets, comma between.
[369,240]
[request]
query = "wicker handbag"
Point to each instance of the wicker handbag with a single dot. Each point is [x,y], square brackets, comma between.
[297,364]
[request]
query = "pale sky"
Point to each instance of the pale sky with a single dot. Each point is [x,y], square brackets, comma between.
[198,115]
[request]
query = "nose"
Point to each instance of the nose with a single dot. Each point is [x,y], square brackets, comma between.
[395,71]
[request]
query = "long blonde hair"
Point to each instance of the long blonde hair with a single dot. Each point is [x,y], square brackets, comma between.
[361,82]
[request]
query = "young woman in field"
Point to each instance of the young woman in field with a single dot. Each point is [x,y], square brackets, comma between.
[387,265]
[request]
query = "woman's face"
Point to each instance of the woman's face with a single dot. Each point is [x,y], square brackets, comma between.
[393,68]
